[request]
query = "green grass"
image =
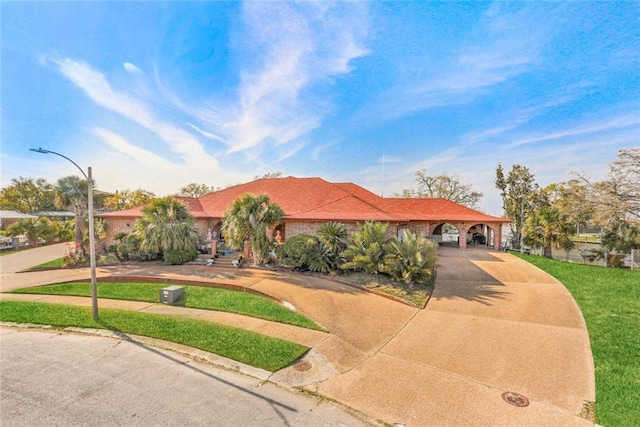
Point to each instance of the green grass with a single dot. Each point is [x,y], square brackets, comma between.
[247,347]
[610,302]
[204,297]
[56,263]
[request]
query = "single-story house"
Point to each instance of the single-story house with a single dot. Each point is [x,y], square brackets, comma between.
[9,217]
[311,202]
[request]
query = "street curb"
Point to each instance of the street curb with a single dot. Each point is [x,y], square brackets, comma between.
[193,353]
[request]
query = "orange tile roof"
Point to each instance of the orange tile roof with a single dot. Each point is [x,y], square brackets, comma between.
[193,205]
[437,210]
[314,199]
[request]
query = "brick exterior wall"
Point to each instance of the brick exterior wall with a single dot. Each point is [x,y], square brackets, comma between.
[293,228]
[127,225]
[118,225]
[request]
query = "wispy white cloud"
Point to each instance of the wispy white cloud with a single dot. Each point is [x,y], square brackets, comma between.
[620,122]
[504,45]
[205,133]
[319,150]
[512,119]
[123,164]
[98,89]
[131,68]
[289,50]
[122,146]
[588,152]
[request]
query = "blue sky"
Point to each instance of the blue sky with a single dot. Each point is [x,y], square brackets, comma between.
[156,95]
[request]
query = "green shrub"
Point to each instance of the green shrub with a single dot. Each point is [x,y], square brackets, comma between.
[129,249]
[411,260]
[367,250]
[179,257]
[333,239]
[320,259]
[295,251]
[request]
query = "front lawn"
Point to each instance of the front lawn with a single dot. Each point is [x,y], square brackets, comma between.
[204,297]
[56,263]
[244,346]
[104,259]
[610,302]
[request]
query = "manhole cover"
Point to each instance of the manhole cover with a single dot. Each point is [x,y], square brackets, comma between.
[515,399]
[302,366]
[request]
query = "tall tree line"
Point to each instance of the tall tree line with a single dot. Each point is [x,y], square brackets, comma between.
[548,217]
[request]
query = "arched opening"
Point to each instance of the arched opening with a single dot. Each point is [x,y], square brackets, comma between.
[446,234]
[480,235]
[279,233]
[216,232]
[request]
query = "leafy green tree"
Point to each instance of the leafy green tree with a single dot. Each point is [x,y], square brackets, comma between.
[516,190]
[445,186]
[411,260]
[367,250]
[572,199]
[248,220]
[167,228]
[623,237]
[65,230]
[127,199]
[49,231]
[27,227]
[195,190]
[42,228]
[27,195]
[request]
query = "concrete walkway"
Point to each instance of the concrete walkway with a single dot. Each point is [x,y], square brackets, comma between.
[495,324]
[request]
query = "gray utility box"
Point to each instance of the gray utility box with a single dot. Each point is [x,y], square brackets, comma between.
[171,294]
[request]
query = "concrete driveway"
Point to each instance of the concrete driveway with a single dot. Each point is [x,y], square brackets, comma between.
[495,324]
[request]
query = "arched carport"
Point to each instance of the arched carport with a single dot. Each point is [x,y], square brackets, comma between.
[487,234]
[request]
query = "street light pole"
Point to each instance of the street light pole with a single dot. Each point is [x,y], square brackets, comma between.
[92,240]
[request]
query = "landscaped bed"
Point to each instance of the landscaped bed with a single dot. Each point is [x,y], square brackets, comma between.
[203,297]
[244,346]
[416,294]
[610,302]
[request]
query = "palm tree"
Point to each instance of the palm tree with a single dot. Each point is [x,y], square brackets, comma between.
[411,260]
[248,220]
[333,238]
[367,250]
[71,193]
[167,228]
[547,226]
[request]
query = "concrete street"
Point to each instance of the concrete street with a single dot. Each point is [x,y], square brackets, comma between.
[49,378]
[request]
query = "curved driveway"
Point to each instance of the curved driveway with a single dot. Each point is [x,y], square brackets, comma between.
[494,324]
